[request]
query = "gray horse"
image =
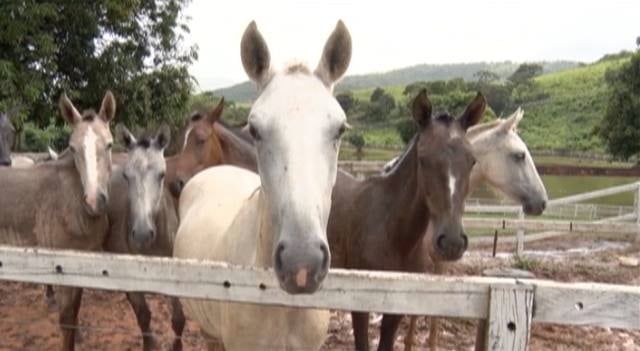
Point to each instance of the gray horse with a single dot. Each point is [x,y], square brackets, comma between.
[7,135]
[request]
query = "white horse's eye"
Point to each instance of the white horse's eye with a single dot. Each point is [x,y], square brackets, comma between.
[519,156]
[254,132]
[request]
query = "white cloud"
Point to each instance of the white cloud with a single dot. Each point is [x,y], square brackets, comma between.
[393,34]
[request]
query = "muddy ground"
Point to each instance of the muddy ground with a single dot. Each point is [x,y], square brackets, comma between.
[107,322]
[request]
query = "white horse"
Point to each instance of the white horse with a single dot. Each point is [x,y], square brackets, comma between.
[503,161]
[279,218]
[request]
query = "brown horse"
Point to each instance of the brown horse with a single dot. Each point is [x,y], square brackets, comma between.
[207,143]
[62,204]
[403,220]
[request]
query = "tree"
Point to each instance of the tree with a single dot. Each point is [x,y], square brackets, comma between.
[356,140]
[87,47]
[380,105]
[346,101]
[525,73]
[485,76]
[620,127]
[407,129]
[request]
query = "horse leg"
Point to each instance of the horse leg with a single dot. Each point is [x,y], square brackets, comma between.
[434,325]
[70,299]
[390,323]
[143,316]
[177,323]
[213,344]
[408,340]
[50,297]
[360,322]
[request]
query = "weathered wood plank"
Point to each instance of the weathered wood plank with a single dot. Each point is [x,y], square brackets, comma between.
[510,312]
[385,292]
[593,194]
[561,226]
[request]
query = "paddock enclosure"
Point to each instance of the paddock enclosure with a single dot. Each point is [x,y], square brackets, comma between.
[521,313]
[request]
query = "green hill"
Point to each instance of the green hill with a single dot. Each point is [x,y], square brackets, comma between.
[246,91]
[572,103]
[561,108]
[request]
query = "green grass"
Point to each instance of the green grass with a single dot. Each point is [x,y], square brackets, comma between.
[575,101]
[394,90]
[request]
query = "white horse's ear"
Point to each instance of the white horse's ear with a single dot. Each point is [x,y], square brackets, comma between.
[255,56]
[511,123]
[125,136]
[336,56]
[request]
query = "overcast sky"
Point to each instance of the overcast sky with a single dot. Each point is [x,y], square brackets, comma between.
[393,34]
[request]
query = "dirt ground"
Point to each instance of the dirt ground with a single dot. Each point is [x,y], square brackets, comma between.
[107,322]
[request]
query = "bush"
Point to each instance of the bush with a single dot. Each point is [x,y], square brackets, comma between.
[37,140]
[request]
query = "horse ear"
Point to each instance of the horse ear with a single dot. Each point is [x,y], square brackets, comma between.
[125,137]
[216,113]
[422,109]
[336,56]
[108,108]
[255,56]
[510,123]
[162,139]
[474,112]
[69,112]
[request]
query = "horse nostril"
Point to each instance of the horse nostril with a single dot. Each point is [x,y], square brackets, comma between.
[325,255]
[440,241]
[544,205]
[152,235]
[465,239]
[278,258]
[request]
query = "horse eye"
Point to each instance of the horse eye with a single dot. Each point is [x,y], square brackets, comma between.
[343,128]
[254,133]
[161,175]
[124,175]
[109,146]
[199,142]
[519,156]
[72,149]
[473,162]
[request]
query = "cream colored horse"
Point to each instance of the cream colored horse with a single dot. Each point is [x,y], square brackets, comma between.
[278,219]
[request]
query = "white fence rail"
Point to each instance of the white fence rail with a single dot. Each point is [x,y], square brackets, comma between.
[500,300]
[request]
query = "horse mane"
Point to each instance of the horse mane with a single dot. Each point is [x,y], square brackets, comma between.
[236,131]
[398,161]
[297,67]
[483,127]
[89,115]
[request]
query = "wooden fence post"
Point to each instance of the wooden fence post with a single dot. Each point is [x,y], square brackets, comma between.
[510,313]
[520,236]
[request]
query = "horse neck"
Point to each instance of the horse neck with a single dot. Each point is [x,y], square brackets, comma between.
[477,138]
[265,232]
[236,151]
[408,213]
[167,222]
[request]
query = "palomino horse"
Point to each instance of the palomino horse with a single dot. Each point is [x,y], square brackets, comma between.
[208,143]
[279,218]
[400,220]
[7,136]
[63,204]
[503,161]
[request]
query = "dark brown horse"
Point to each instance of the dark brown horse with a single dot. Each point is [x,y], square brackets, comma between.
[410,217]
[63,203]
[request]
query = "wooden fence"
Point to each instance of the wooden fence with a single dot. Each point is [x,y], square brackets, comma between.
[508,305]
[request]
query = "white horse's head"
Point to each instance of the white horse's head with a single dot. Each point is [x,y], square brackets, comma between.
[297,125]
[504,161]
